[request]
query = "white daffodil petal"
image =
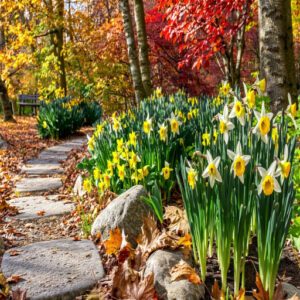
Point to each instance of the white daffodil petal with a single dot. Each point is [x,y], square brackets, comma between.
[205,173]
[232,114]
[217,161]
[259,189]
[230,154]
[262,171]
[226,136]
[257,114]
[209,157]
[230,125]
[241,178]
[218,176]
[239,148]
[211,181]
[272,168]
[246,158]
[277,187]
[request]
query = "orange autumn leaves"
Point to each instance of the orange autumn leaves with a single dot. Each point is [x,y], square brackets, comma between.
[150,240]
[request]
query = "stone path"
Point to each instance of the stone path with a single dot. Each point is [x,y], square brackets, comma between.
[56,269]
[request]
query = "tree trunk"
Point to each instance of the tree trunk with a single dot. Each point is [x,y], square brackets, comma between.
[60,45]
[132,52]
[276,51]
[6,105]
[143,45]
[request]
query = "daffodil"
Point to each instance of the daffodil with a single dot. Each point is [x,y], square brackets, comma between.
[97,173]
[101,186]
[147,126]
[291,110]
[121,172]
[45,125]
[166,171]
[268,183]
[134,159]
[205,139]
[262,85]
[224,89]
[174,123]
[132,139]
[263,125]
[120,145]
[116,157]
[91,143]
[135,177]
[239,163]
[284,166]
[251,99]
[143,172]
[163,132]
[172,99]
[238,111]
[106,180]
[116,124]
[211,170]
[87,185]
[215,136]
[192,177]
[110,167]
[225,125]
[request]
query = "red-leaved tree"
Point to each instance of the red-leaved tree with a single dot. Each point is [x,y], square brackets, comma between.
[206,30]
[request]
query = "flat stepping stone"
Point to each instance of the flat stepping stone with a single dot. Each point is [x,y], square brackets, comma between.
[58,269]
[50,155]
[37,184]
[42,169]
[36,207]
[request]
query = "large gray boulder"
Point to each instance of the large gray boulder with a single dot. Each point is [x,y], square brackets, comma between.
[160,264]
[289,290]
[125,212]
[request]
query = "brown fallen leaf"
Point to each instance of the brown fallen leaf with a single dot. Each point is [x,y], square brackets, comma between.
[183,270]
[41,213]
[177,220]
[113,243]
[261,294]
[14,278]
[216,293]
[76,238]
[14,252]
[18,295]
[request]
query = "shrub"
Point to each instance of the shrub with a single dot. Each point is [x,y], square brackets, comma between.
[62,117]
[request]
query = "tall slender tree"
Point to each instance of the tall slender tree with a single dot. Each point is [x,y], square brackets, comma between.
[4,99]
[277,62]
[138,55]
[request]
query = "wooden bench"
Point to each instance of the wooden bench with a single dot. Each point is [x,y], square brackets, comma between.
[28,101]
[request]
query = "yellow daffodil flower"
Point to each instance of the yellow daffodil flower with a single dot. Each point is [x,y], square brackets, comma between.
[211,170]
[263,124]
[120,145]
[192,177]
[174,123]
[206,139]
[225,125]
[147,126]
[240,162]
[116,157]
[106,180]
[224,89]
[121,172]
[251,99]
[284,166]
[45,125]
[291,110]
[116,125]
[268,183]
[166,171]
[132,139]
[238,111]
[163,132]
[262,85]
[87,185]
[91,143]
[97,173]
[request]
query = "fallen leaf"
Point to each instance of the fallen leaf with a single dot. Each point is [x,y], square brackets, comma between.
[41,213]
[176,219]
[4,287]
[14,278]
[183,270]
[19,295]
[14,252]
[113,243]
[76,238]
[261,294]
[216,293]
